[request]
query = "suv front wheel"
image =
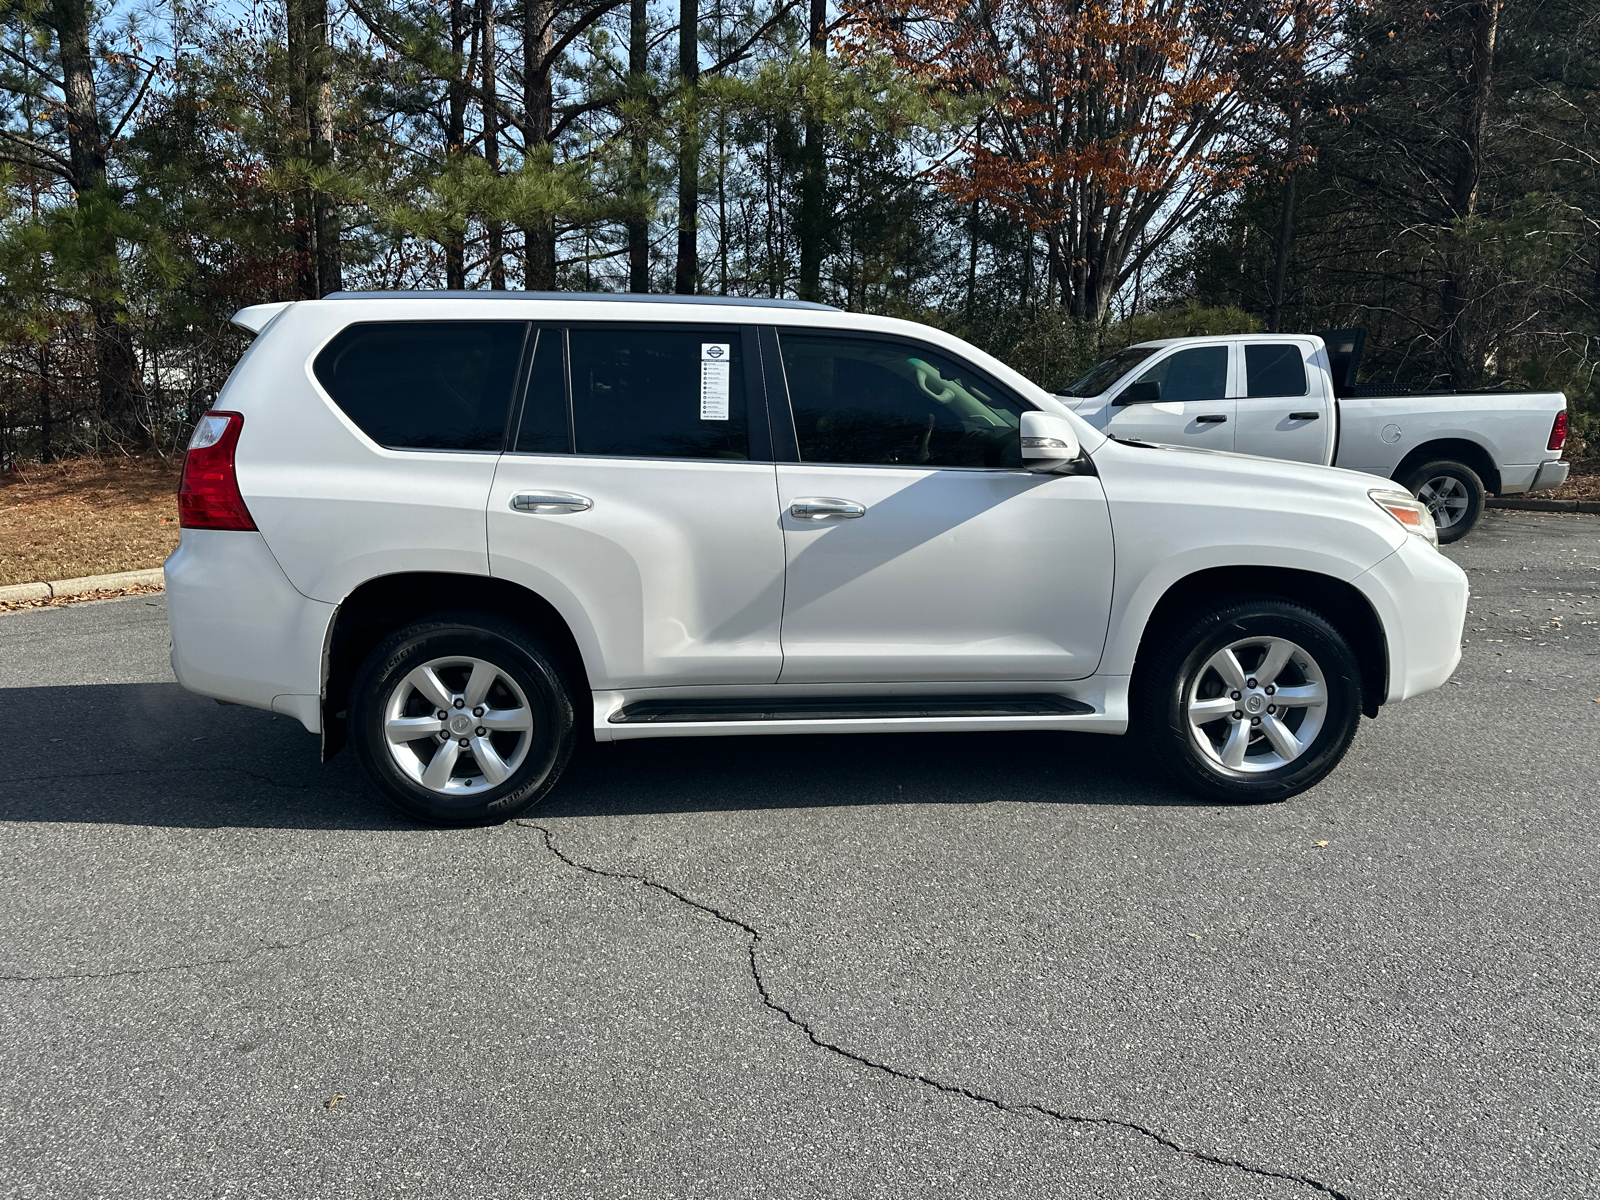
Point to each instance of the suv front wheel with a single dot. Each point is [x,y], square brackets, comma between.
[1255,700]
[461,719]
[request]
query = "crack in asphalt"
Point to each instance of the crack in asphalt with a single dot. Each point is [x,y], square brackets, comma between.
[199,964]
[950,1089]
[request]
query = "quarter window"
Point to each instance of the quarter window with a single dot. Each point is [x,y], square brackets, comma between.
[543,427]
[1274,370]
[859,400]
[672,392]
[425,385]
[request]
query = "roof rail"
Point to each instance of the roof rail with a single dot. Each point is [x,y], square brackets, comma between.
[585,297]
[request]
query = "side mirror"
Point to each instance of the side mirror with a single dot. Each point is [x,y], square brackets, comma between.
[1148,392]
[1048,442]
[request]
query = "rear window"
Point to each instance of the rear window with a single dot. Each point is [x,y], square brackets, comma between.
[425,385]
[1275,370]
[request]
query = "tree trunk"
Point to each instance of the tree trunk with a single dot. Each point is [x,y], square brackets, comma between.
[812,225]
[1464,366]
[298,148]
[318,92]
[538,106]
[1285,236]
[638,149]
[455,138]
[491,139]
[116,367]
[688,266]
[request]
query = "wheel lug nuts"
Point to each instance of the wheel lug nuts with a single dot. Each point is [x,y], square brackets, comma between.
[480,731]
[1271,690]
[460,703]
[443,713]
[443,736]
[478,712]
[1238,715]
[465,742]
[1234,696]
[1272,708]
[1255,720]
[1249,683]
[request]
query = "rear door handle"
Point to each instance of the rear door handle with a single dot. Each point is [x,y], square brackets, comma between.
[1307,416]
[551,502]
[826,508]
[1211,419]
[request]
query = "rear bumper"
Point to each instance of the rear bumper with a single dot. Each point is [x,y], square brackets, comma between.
[240,630]
[1550,475]
[1421,599]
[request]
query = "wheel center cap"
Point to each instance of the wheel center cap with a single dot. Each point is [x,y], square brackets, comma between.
[461,724]
[1255,702]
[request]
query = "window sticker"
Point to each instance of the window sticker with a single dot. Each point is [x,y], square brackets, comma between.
[714,381]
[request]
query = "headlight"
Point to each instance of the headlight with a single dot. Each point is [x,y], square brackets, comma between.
[1410,512]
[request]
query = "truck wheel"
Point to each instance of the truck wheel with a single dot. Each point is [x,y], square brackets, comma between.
[461,719]
[1254,700]
[1453,493]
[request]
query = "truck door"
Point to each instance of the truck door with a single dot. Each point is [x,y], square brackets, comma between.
[1188,406]
[1285,411]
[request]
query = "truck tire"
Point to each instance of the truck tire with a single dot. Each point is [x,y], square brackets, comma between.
[1211,703]
[1452,491]
[461,719]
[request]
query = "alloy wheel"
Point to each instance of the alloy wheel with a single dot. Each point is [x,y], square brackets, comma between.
[1256,705]
[1447,499]
[458,725]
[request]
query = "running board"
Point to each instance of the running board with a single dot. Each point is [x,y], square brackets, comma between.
[847,708]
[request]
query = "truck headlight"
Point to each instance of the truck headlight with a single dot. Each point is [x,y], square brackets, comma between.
[1409,511]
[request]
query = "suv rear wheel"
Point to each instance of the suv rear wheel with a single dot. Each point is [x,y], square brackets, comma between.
[461,719]
[1256,700]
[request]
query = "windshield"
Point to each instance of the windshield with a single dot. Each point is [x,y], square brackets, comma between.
[1107,371]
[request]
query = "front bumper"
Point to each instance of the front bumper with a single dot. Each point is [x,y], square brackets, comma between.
[1421,599]
[240,630]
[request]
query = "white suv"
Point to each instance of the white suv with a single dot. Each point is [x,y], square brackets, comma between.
[455,528]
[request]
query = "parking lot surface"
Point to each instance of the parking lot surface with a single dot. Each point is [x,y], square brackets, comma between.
[1007,965]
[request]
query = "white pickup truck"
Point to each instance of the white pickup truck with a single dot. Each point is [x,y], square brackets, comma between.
[1294,396]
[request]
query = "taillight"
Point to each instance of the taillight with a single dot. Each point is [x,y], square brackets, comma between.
[1558,431]
[208,496]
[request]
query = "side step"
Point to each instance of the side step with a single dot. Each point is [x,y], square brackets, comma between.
[848,708]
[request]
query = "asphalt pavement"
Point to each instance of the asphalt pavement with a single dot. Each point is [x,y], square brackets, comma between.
[1008,965]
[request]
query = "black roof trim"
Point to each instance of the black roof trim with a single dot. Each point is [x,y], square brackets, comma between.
[586,297]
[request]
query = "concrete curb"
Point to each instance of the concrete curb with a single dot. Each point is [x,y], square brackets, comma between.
[1557,506]
[78,587]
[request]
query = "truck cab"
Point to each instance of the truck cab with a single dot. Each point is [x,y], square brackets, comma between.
[1265,394]
[1295,397]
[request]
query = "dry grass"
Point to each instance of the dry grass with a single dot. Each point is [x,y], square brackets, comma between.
[87,517]
[1577,487]
[138,589]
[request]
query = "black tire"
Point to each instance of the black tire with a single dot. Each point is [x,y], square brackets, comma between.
[469,798]
[1162,695]
[1454,522]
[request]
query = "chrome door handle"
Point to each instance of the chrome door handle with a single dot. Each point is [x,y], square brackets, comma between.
[825,508]
[1211,419]
[551,502]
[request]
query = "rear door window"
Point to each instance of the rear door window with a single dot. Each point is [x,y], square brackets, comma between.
[886,403]
[426,385]
[671,391]
[1275,370]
